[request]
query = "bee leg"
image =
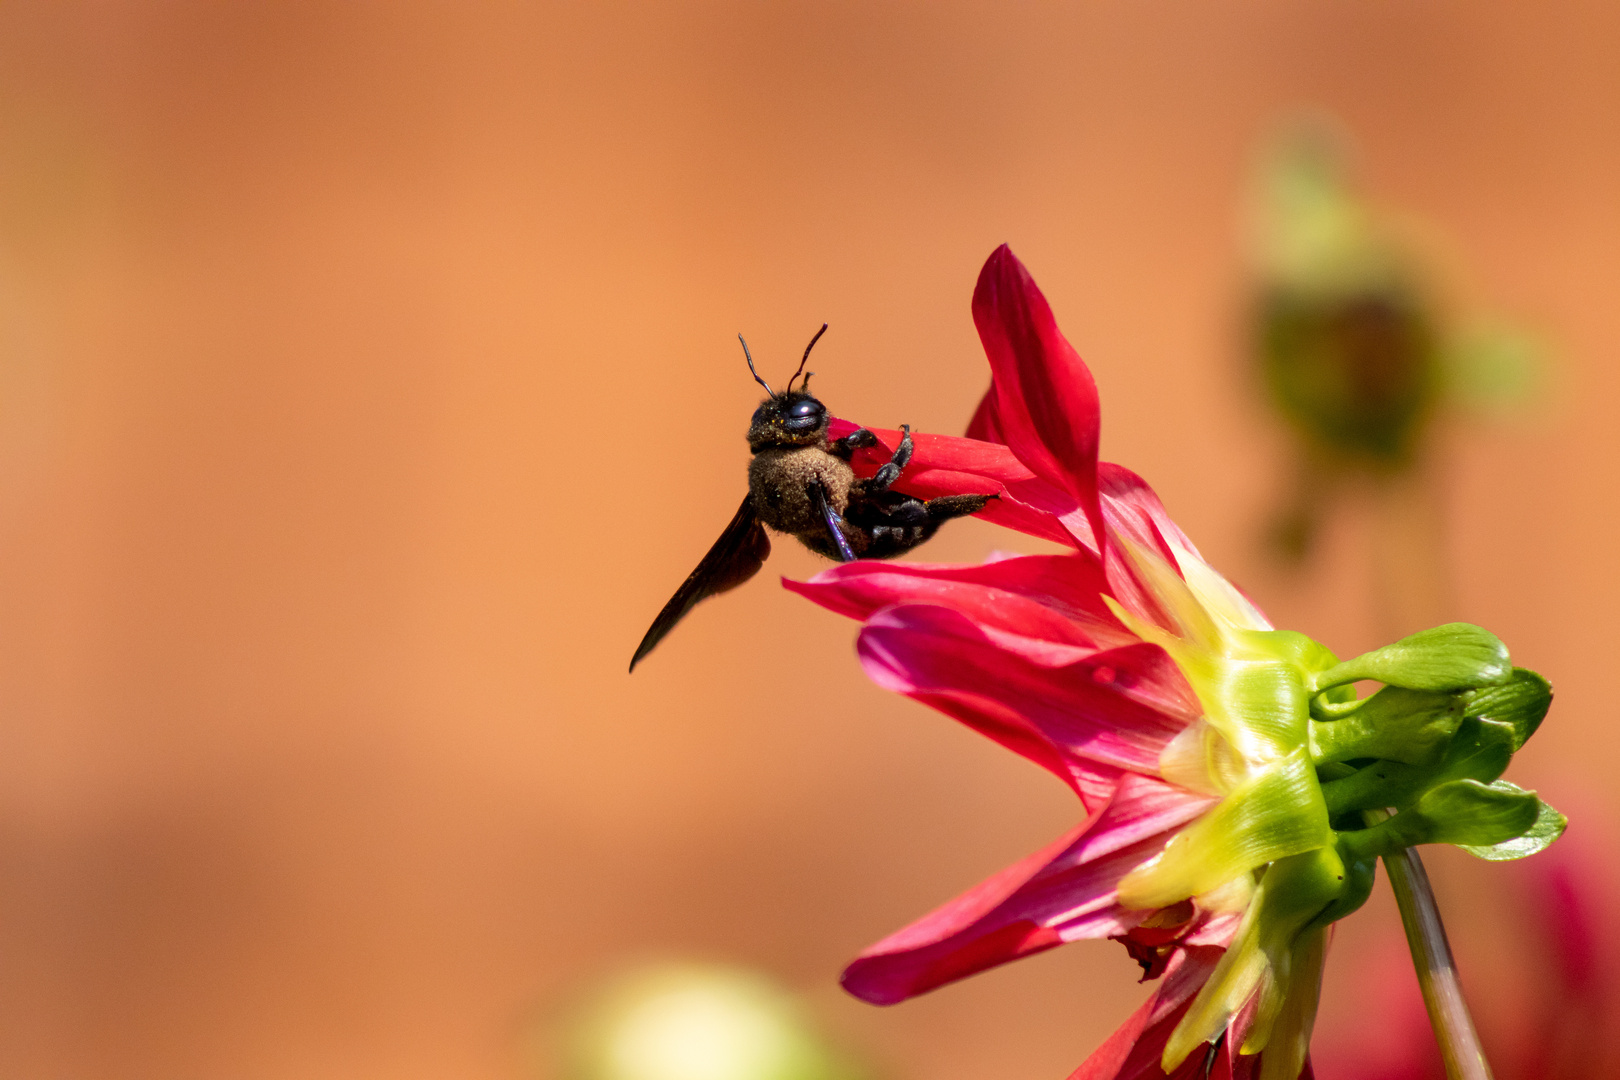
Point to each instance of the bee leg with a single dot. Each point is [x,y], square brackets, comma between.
[891,472]
[907,512]
[835,523]
[953,506]
[852,442]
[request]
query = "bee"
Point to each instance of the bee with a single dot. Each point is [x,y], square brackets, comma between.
[800,482]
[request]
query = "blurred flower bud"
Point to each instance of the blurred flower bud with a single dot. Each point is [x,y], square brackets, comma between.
[683,1021]
[1351,343]
[1345,334]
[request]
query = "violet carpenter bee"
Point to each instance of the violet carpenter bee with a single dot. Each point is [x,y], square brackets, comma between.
[800,482]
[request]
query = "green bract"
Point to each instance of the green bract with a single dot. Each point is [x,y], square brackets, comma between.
[1315,784]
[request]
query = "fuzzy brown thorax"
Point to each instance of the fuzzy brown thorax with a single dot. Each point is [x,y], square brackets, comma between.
[781,477]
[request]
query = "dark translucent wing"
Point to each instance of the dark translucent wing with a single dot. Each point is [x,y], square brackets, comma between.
[830,516]
[735,557]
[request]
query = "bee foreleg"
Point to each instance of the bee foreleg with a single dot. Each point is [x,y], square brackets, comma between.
[889,473]
[852,442]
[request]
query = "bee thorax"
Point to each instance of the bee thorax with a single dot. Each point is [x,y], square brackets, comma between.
[780,479]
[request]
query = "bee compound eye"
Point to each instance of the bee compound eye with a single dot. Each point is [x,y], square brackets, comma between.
[808,409]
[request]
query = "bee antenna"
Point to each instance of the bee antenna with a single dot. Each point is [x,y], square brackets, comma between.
[751,370]
[806,359]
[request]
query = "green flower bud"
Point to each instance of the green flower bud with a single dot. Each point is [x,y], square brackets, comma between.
[1457,656]
[1480,750]
[1456,812]
[1395,724]
[1315,784]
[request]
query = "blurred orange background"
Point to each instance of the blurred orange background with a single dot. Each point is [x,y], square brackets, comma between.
[368,379]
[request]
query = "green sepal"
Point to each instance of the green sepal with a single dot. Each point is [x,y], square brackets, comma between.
[1480,750]
[1343,694]
[1456,656]
[1360,872]
[1469,812]
[1522,702]
[1549,826]
[1276,814]
[1290,894]
[1395,724]
[1260,700]
[1334,770]
[1464,812]
[1375,786]
[1289,1040]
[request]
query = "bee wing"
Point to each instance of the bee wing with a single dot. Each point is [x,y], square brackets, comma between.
[735,557]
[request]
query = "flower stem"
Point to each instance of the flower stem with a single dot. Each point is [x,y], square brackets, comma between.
[1436,970]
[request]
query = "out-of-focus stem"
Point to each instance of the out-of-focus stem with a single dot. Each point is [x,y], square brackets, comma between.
[1436,970]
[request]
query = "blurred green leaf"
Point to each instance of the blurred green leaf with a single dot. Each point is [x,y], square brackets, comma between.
[1494,368]
[698,1022]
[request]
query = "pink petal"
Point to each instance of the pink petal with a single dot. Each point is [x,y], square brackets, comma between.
[929,953]
[1143,806]
[1215,930]
[1118,707]
[1047,597]
[1061,893]
[1045,400]
[1093,781]
[1134,510]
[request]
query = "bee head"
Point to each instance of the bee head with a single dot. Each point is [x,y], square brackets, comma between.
[788,419]
[791,418]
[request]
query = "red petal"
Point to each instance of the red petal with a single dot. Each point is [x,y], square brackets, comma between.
[947,452]
[1118,707]
[1045,400]
[1133,1051]
[946,465]
[1134,510]
[1046,597]
[1063,892]
[986,424]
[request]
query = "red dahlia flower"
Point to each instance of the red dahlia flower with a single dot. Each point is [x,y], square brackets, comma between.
[1223,831]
